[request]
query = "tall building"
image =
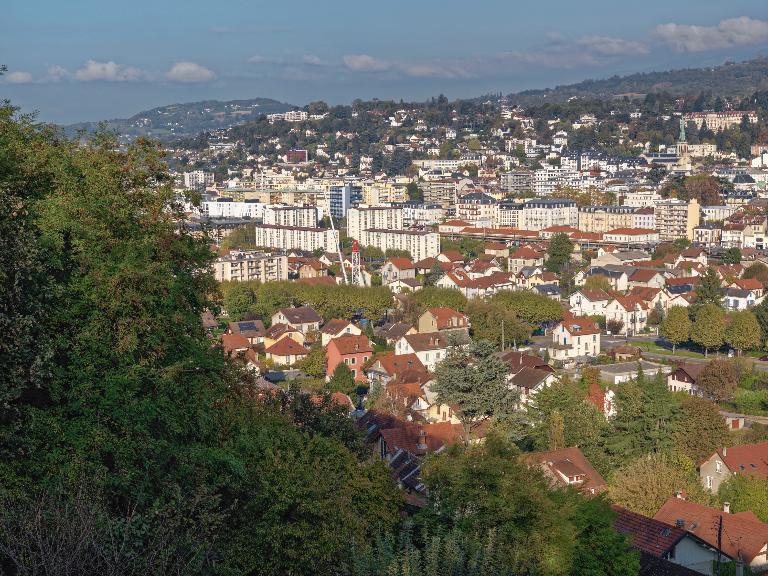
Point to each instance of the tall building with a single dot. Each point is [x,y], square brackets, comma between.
[296,238]
[419,244]
[677,218]
[198,180]
[605,218]
[365,217]
[248,266]
[342,198]
[477,208]
[539,214]
[516,181]
[301,216]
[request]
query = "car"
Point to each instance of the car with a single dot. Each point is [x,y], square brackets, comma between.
[763,358]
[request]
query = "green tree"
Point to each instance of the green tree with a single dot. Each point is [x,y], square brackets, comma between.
[238,300]
[709,290]
[718,379]
[743,331]
[746,493]
[708,329]
[474,381]
[342,379]
[758,270]
[532,308]
[495,323]
[701,429]
[433,297]
[597,282]
[676,327]
[645,484]
[556,430]
[558,252]
[732,256]
[314,363]
[414,192]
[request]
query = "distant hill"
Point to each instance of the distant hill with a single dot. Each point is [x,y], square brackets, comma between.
[731,79]
[177,120]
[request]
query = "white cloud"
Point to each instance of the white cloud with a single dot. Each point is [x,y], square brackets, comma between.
[433,69]
[742,31]
[312,60]
[607,46]
[18,77]
[93,70]
[264,60]
[189,72]
[57,73]
[365,63]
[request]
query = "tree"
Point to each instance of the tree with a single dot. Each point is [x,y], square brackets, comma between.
[718,379]
[556,431]
[743,331]
[746,493]
[704,188]
[558,252]
[732,256]
[495,323]
[532,308]
[614,325]
[758,270]
[314,363]
[434,297]
[676,327]
[597,282]
[238,300]
[709,290]
[474,381]
[645,484]
[414,192]
[701,429]
[709,327]
[342,380]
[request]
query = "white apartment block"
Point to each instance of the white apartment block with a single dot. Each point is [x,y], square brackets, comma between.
[415,214]
[298,216]
[718,121]
[716,213]
[509,214]
[226,208]
[547,180]
[544,213]
[296,238]
[641,198]
[419,244]
[369,217]
[198,179]
[247,266]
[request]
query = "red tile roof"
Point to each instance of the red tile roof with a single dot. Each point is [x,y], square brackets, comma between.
[526,253]
[394,364]
[234,342]
[287,347]
[351,344]
[334,326]
[435,436]
[652,536]
[401,263]
[568,461]
[579,325]
[743,534]
[747,459]
[632,231]
[448,318]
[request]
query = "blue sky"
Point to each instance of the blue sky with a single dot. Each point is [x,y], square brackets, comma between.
[81,60]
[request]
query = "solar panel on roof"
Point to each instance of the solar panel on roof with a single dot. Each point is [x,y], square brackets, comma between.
[247,326]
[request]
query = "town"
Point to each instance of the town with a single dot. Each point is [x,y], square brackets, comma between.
[495,268]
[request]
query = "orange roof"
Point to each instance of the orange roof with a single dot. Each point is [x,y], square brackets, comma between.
[394,364]
[444,316]
[526,253]
[747,459]
[643,275]
[452,255]
[401,263]
[233,342]
[351,344]
[435,436]
[644,292]
[287,347]
[595,295]
[630,302]
[579,326]
[558,229]
[632,231]
[568,461]
[749,284]
[455,223]
[743,534]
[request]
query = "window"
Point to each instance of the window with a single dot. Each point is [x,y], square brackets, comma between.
[353,360]
[709,482]
[717,466]
[354,373]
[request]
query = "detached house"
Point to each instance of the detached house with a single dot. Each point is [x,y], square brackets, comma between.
[443,320]
[684,378]
[631,311]
[574,338]
[388,366]
[528,373]
[587,302]
[286,352]
[525,256]
[568,467]
[428,348]
[397,269]
[354,351]
[744,460]
[337,328]
[303,318]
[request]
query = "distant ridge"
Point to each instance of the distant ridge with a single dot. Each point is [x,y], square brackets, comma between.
[728,80]
[175,120]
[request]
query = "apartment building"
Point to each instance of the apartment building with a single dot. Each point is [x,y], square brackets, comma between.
[228,208]
[295,238]
[477,208]
[605,218]
[677,219]
[516,181]
[342,198]
[544,213]
[440,192]
[420,245]
[198,180]
[369,217]
[418,214]
[299,216]
[718,121]
[247,266]
[509,214]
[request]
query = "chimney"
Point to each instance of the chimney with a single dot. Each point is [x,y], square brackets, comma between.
[421,443]
[679,494]
[727,507]
[725,451]
[680,523]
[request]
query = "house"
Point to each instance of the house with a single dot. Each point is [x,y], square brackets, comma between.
[286,352]
[568,467]
[742,538]
[657,540]
[527,372]
[574,338]
[630,311]
[498,249]
[396,331]
[626,371]
[549,290]
[277,332]
[429,348]
[404,285]
[303,318]
[618,276]
[234,344]
[738,299]
[647,277]
[586,302]
[389,366]
[451,257]
[418,439]
[337,328]
[253,330]
[444,320]
[744,460]
[397,269]
[352,350]
[208,320]
[684,377]
[752,284]
[312,268]
[525,256]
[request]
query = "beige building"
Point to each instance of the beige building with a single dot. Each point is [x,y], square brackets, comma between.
[717,121]
[420,245]
[370,217]
[301,216]
[605,218]
[248,266]
[677,218]
[294,237]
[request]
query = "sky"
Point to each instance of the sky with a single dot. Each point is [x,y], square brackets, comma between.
[87,60]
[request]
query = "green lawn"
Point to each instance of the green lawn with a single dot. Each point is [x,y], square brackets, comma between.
[648,346]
